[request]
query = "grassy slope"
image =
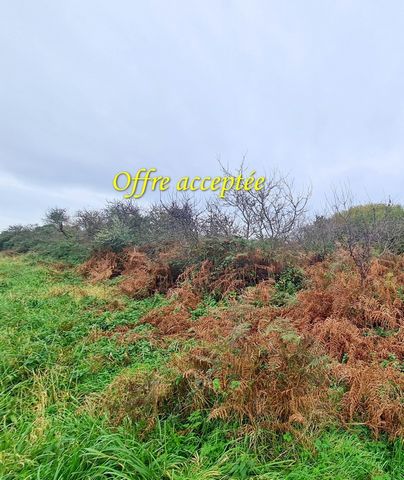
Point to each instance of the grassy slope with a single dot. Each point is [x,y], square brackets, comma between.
[50,368]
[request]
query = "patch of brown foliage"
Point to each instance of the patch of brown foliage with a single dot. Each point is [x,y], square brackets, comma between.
[172,319]
[344,314]
[268,378]
[101,266]
[375,397]
[336,291]
[185,295]
[199,276]
[140,276]
[276,380]
[260,294]
[243,270]
[346,342]
[360,324]
[249,365]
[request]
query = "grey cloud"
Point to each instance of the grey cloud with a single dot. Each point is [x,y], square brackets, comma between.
[90,88]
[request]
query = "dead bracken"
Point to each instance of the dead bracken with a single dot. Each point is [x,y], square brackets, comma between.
[263,364]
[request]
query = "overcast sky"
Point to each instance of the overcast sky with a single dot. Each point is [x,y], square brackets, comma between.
[92,87]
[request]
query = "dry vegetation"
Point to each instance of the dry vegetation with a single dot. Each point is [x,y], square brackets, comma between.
[332,354]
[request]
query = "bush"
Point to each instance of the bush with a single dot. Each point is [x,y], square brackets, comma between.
[114,237]
[45,241]
[289,282]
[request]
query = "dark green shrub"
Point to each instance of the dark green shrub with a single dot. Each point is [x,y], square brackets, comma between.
[114,237]
[289,282]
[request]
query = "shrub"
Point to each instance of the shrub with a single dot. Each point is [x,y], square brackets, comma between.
[289,282]
[114,237]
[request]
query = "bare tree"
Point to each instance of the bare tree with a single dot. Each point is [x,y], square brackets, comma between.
[57,217]
[366,229]
[176,219]
[91,221]
[217,222]
[126,212]
[317,236]
[273,212]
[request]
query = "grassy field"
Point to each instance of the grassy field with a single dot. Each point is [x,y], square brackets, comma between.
[55,366]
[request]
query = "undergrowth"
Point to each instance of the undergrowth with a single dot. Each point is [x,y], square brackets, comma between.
[79,358]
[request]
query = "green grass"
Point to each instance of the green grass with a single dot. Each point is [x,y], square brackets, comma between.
[52,365]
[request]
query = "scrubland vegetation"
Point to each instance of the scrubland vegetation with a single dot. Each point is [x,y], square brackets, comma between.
[231,341]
